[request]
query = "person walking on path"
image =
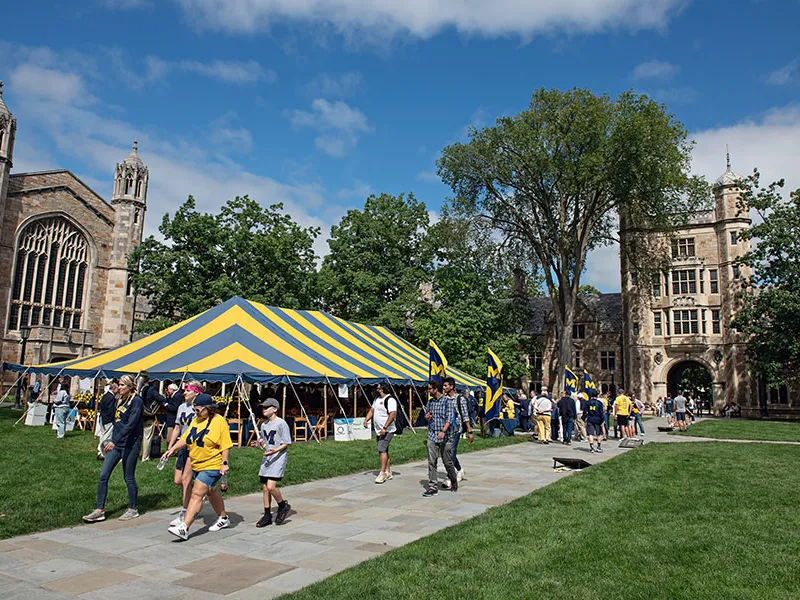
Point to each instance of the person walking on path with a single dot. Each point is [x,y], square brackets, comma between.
[638,411]
[275,438]
[680,411]
[61,409]
[462,424]
[595,418]
[441,418]
[580,408]
[105,414]
[669,410]
[182,475]
[622,413]
[524,412]
[566,410]
[543,408]
[125,445]
[209,441]
[382,413]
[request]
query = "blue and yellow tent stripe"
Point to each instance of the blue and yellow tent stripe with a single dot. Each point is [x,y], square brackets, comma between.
[264,344]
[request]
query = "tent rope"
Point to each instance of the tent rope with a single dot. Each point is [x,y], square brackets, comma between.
[305,414]
[14,386]
[421,401]
[346,418]
[246,400]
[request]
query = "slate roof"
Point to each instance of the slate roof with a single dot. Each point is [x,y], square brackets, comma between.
[607,309]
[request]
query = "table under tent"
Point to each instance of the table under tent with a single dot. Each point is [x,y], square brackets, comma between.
[247,350]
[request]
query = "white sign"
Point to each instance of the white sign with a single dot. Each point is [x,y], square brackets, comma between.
[344,392]
[347,430]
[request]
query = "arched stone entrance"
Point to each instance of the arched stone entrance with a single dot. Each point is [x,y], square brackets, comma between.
[691,377]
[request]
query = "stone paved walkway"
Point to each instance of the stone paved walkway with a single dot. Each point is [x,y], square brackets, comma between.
[336,523]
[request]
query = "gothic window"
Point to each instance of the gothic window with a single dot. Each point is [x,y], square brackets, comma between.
[657,328]
[136,216]
[713,275]
[608,360]
[50,276]
[715,321]
[684,322]
[734,238]
[579,331]
[128,186]
[577,361]
[138,188]
[657,286]
[683,247]
[684,282]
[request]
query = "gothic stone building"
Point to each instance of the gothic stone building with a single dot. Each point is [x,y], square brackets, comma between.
[646,337]
[63,257]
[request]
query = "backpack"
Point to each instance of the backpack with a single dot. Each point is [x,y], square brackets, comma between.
[400,421]
[151,401]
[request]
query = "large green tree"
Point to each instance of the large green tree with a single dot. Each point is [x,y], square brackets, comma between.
[479,295]
[769,316]
[559,175]
[245,249]
[376,265]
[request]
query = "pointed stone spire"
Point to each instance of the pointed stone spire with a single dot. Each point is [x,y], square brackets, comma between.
[133,158]
[3,108]
[729,177]
[728,157]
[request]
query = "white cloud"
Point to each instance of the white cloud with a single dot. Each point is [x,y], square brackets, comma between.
[768,142]
[338,124]
[361,190]
[428,177]
[425,18]
[335,86]
[655,69]
[783,75]
[50,84]
[229,71]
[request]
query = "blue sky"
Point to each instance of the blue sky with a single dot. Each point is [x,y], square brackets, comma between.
[317,103]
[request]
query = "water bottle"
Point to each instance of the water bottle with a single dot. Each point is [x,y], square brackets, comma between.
[162,463]
[223,483]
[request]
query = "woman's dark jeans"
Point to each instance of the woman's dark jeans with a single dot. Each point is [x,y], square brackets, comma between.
[130,458]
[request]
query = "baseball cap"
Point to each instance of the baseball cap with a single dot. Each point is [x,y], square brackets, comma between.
[270,402]
[203,400]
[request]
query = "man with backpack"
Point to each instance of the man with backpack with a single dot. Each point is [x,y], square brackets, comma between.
[382,413]
[153,401]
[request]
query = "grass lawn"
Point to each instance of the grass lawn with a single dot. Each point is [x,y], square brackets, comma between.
[666,521]
[745,429]
[47,483]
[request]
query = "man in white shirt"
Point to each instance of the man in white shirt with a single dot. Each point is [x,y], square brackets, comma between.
[542,409]
[382,413]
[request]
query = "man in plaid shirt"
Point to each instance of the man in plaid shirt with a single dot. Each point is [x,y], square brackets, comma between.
[462,425]
[441,416]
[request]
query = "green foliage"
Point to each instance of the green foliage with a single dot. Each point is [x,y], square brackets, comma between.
[559,176]
[476,302]
[245,249]
[376,264]
[587,289]
[769,317]
[744,429]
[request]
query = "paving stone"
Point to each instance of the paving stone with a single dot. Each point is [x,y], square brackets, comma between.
[156,573]
[137,589]
[29,591]
[88,582]
[50,570]
[289,552]
[118,543]
[166,555]
[392,538]
[336,559]
[293,580]
[26,555]
[228,573]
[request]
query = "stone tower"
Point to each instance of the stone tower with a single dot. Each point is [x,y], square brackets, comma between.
[130,202]
[8,128]
[730,219]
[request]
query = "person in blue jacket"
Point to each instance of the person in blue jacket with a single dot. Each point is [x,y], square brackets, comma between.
[125,445]
[595,419]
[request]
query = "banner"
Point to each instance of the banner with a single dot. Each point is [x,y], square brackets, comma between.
[589,386]
[494,387]
[570,380]
[437,368]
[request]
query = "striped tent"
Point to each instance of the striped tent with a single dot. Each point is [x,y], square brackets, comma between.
[263,344]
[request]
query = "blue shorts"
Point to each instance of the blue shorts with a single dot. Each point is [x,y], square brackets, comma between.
[210,478]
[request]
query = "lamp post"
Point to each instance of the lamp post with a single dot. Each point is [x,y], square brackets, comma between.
[24,334]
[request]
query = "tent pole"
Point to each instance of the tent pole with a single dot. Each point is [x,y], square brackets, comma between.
[283,416]
[325,401]
[421,401]
[355,401]
[410,406]
[248,406]
[305,414]
[336,395]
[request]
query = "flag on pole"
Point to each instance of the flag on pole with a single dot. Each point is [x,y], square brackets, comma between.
[570,380]
[437,368]
[494,387]
[589,386]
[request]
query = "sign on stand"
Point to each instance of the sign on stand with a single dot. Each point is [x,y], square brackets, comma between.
[347,430]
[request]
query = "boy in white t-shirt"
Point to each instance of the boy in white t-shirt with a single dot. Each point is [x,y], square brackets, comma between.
[382,413]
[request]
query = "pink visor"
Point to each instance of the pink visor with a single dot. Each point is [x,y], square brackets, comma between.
[193,388]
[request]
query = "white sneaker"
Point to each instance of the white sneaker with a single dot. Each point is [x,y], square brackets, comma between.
[180,530]
[388,475]
[446,485]
[178,520]
[461,475]
[381,477]
[221,523]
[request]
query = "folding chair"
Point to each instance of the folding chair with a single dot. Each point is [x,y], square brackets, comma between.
[320,427]
[235,426]
[300,429]
[254,432]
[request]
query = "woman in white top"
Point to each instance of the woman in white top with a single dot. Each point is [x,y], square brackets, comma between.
[61,407]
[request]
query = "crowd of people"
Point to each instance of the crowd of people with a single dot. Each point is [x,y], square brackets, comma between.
[198,436]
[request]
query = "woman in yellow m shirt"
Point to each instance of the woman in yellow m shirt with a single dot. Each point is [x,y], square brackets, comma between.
[209,441]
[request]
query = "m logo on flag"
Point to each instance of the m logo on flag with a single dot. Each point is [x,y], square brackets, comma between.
[437,369]
[589,386]
[494,387]
[570,380]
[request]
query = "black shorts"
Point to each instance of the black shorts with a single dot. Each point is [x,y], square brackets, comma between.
[594,429]
[680,416]
[181,458]
[622,420]
[266,479]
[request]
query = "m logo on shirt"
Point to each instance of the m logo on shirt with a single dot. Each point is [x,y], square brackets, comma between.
[271,437]
[195,437]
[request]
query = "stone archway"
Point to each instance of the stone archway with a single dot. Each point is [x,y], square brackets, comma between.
[693,377]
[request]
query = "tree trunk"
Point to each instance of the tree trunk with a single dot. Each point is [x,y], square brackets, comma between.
[564,318]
